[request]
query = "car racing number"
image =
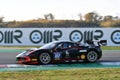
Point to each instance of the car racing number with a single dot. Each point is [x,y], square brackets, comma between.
[57,55]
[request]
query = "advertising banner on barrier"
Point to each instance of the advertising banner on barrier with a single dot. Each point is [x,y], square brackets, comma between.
[40,36]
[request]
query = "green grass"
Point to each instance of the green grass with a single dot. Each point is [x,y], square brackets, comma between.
[110,47]
[72,74]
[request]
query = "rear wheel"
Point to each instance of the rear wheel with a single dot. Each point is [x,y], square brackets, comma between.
[91,56]
[44,58]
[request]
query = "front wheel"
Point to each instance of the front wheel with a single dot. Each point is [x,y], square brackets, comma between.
[91,56]
[44,58]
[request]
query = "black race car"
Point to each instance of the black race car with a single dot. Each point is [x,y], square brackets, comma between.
[62,51]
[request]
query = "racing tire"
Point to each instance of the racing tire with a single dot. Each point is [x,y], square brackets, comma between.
[45,58]
[91,56]
[99,55]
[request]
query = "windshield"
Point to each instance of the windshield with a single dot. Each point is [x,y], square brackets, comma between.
[48,46]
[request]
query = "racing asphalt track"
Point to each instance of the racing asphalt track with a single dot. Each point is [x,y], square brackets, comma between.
[8,56]
[110,59]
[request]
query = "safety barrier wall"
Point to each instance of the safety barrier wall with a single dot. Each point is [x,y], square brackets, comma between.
[40,36]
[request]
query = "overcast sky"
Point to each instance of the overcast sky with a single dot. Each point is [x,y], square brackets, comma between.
[61,9]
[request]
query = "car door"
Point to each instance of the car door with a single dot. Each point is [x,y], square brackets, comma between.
[69,51]
[73,51]
[59,51]
[66,51]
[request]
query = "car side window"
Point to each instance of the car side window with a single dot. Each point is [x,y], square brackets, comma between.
[63,45]
[66,45]
[69,45]
[72,45]
[59,46]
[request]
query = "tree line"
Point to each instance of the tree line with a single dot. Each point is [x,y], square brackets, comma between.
[91,19]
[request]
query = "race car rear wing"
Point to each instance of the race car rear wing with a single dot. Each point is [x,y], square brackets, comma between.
[99,43]
[103,42]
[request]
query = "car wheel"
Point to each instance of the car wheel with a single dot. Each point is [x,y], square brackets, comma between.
[91,56]
[44,58]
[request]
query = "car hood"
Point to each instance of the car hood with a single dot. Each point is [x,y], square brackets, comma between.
[26,52]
